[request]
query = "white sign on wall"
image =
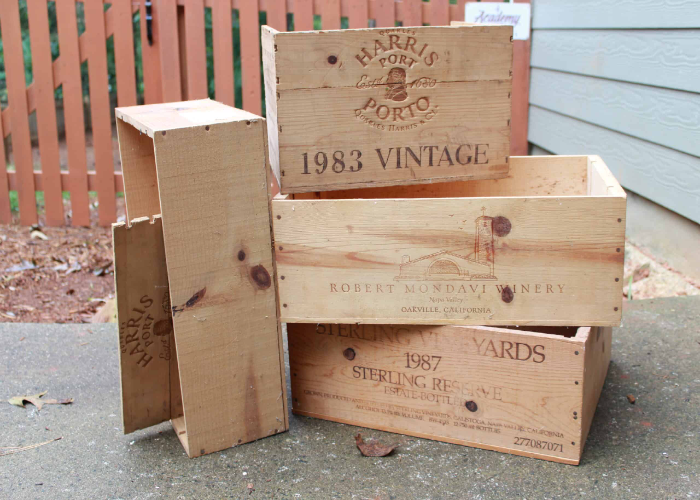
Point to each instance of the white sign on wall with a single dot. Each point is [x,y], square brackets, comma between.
[515,14]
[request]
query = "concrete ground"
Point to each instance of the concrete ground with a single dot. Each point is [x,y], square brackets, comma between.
[645,450]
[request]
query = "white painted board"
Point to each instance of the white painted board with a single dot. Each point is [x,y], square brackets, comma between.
[514,14]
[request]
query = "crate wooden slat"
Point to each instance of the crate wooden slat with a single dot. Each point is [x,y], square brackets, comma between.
[515,391]
[544,246]
[381,107]
[208,169]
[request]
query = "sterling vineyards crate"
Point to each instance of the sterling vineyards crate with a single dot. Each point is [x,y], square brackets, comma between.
[387,106]
[530,392]
[543,246]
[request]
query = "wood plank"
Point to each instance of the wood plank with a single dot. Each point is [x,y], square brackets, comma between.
[73,112]
[124,63]
[303,15]
[100,112]
[222,34]
[663,175]
[666,117]
[602,14]
[196,50]
[277,14]
[358,14]
[221,277]
[169,51]
[150,55]
[250,56]
[145,323]
[17,96]
[5,211]
[491,388]
[432,264]
[663,58]
[384,13]
[330,15]
[353,91]
[139,172]
[412,13]
[65,181]
[596,355]
[42,67]
[521,91]
[439,13]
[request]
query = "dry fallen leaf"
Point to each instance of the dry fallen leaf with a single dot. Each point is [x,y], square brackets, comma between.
[251,489]
[631,398]
[641,272]
[373,448]
[36,234]
[36,400]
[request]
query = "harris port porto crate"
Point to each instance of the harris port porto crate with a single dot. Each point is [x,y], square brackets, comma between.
[543,246]
[387,106]
[528,391]
[199,340]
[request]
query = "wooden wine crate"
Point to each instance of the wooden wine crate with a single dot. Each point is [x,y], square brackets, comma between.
[387,106]
[544,246]
[530,392]
[200,342]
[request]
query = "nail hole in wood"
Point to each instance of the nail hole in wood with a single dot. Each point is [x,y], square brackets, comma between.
[576,382]
[576,353]
[619,220]
[207,128]
[248,123]
[616,309]
[281,277]
[332,59]
[617,279]
[281,248]
[163,132]
[284,305]
[471,406]
[618,250]
[349,353]
[279,217]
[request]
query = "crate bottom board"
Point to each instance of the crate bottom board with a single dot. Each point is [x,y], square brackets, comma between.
[444,439]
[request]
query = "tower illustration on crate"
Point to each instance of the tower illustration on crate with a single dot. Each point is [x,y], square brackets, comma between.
[450,266]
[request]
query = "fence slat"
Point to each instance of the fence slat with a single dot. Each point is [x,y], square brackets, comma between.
[5,211]
[250,56]
[222,35]
[303,15]
[277,14]
[384,13]
[439,13]
[412,13]
[17,97]
[195,50]
[330,16]
[358,14]
[100,111]
[46,111]
[150,57]
[73,112]
[168,39]
[125,67]
[460,11]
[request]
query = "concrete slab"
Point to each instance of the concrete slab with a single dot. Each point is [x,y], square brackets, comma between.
[646,450]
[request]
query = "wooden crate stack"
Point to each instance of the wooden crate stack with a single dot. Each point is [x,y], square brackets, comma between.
[404,227]
[431,284]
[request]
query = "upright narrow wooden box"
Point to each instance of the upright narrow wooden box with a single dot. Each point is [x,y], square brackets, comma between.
[387,106]
[527,391]
[199,338]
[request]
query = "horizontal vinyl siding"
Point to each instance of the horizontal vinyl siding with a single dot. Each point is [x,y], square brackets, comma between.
[663,175]
[666,117]
[616,14]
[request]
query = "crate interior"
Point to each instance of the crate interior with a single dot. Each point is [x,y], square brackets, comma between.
[529,176]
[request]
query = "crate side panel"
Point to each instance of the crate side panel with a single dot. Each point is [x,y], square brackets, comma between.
[216,227]
[508,391]
[146,347]
[597,360]
[512,261]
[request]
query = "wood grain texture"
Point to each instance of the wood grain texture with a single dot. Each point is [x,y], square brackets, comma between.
[17,95]
[412,13]
[603,14]
[139,172]
[357,132]
[73,112]
[196,54]
[384,13]
[216,229]
[663,175]
[666,117]
[277,13]
[222,35]
[449,260]
[152,84]
[146,341]
[439,12]
[663,58]
[596,361]
[100,112]
[358,13]
[330,16]
[303,15]
[169,40]
[42,68]
[250,56]
[519,392]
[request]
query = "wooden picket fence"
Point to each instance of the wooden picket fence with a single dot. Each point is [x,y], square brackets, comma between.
[174,68]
